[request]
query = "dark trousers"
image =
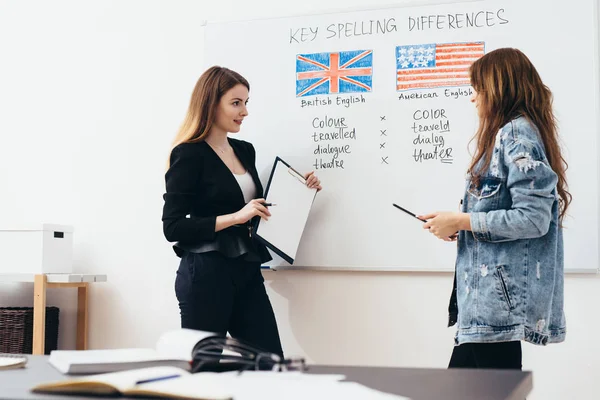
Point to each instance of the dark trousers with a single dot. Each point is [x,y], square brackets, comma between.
[220,294]
[503,355]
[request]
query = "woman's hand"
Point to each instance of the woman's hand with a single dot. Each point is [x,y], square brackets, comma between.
[445,225]
[254,208]
[312,181]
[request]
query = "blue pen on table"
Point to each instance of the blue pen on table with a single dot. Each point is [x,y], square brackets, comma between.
[160,378]
[408,212]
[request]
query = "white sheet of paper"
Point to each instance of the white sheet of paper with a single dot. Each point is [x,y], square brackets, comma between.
[284,385]
[293,201]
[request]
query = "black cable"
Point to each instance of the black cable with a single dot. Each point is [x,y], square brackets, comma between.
[208,356]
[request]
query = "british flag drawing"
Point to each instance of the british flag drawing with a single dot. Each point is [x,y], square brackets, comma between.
[435,65]
[331,73]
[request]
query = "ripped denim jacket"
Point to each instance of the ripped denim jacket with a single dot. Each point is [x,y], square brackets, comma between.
[509,269]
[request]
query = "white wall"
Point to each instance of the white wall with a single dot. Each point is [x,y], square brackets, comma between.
[91,94]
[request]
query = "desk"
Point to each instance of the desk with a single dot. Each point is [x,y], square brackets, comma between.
[416,383]
[41,282]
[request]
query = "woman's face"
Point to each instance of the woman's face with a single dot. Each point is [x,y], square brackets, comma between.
[232,110]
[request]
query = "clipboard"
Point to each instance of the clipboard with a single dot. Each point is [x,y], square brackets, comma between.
[287,189]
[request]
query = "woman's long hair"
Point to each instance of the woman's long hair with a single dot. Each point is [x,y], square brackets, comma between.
[200,117]
[508,86]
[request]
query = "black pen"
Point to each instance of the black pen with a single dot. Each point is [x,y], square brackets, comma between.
[408,212]
[269,204]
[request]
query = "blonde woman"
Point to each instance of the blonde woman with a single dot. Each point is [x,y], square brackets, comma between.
[213,179]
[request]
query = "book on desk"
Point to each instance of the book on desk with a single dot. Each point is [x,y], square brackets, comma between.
[174,348]
[175,383]
[164,382]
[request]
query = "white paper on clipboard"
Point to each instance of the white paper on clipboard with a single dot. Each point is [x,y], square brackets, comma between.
[287,189]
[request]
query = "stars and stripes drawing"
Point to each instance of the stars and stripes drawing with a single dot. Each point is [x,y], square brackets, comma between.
[332,73]
[435,65]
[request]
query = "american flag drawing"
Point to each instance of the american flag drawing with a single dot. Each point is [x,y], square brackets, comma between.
[435,65]
[330,73]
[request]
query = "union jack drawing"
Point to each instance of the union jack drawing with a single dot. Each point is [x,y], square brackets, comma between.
[435,65]
[330,73]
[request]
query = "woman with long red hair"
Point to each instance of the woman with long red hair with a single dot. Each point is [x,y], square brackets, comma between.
[508,284]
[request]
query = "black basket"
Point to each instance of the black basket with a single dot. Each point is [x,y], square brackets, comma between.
[16,330]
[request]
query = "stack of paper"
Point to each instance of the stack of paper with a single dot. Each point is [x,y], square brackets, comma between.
[174,348]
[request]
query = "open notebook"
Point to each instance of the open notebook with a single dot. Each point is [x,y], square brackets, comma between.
[174,348]
[164,382]
[169,382]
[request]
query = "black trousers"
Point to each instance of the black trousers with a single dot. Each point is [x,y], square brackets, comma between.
[503,355]
[220,294]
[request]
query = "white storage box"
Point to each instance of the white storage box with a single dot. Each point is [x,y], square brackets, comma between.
[40,249]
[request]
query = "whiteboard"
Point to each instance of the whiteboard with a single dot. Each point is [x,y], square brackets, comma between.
[381,136]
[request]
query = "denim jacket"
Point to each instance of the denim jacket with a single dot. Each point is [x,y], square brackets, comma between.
[509,268]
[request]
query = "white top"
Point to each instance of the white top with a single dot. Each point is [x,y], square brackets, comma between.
[247,185]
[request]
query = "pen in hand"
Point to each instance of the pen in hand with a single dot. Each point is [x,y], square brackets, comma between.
[269,204]
[408,212]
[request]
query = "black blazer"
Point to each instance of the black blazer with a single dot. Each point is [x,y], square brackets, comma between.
[199,184]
